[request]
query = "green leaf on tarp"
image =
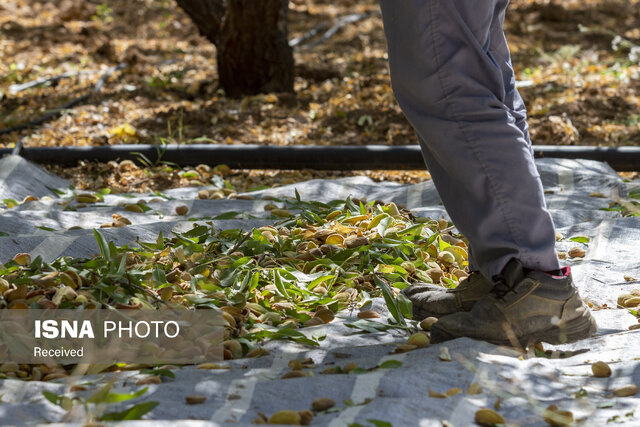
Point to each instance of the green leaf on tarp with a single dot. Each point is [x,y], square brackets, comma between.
[285,334]
[101,394]
[319,280]
[227,215]
[59,400]
[391,364]
[390,300]
[122,397]
[379,423]
[383,225]
[277,279]
[136,412]
[442,245]
[350,402]
[102,245]
[158,275]
[369,326]
[405,306]
[198,231]
[158,371]
[580,239]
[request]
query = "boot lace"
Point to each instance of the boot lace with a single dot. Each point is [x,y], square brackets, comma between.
[501,288]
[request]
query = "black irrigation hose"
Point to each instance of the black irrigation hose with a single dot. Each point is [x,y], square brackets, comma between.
[52,114]
[13,89]
[308,35]
[341,22]
[369,157]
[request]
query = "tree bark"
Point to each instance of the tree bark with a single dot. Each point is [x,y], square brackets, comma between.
[253,50]
[207,15]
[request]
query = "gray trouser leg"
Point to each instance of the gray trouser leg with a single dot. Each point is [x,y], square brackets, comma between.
[451,74]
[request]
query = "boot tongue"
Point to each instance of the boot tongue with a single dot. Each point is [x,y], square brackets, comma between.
[512,273]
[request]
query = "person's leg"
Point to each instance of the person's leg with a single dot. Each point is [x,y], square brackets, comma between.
[500,51]
[458,92]
[452,90]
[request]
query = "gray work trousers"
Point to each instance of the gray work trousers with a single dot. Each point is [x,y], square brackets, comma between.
[452,76]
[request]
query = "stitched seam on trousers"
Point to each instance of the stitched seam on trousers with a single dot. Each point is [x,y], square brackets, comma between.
[471,142]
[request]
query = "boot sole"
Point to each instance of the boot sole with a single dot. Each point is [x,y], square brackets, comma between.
[577,329]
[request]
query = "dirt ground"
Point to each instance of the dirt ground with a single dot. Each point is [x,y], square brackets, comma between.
[578,64]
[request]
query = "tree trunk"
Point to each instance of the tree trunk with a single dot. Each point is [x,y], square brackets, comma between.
[254,55]
[207,15]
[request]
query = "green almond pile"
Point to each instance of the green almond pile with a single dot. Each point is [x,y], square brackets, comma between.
[268,282]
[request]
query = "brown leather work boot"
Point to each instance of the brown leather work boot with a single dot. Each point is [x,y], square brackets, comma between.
[523,308]
[434,301]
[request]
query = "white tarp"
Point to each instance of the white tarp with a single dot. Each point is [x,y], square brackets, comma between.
[524,386]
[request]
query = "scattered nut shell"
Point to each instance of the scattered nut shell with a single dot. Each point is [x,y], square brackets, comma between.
[419,339]
[435,274]
[314,321]
[556,417]
[350,367]
[182,210]
[286,417]
[86,198]
[427,323]
[152,379]
[209,365]
[368,314]
[306,417]
[22,259]
[403,348]
[322,404]
[601,370]
[134,207]
[436,394]
[626,390]
[444,354]
[488,417]
[355,241]
[195,399]
[325,314]
[280,213]
[577,252]
[474,388]
[293,374]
